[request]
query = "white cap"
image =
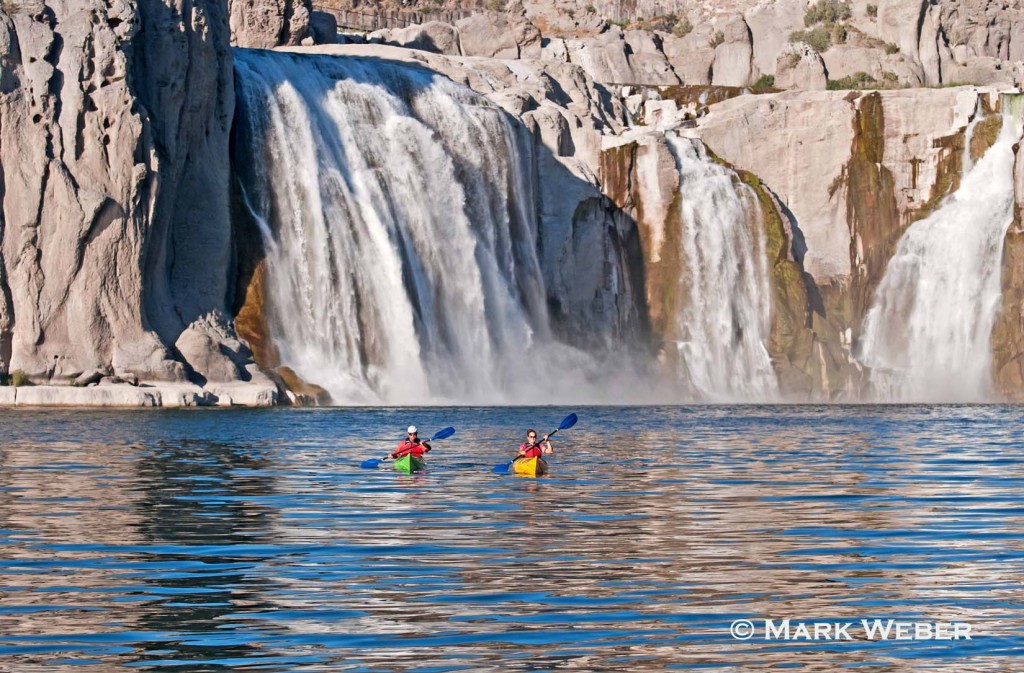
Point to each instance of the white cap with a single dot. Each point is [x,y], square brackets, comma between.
[412,429]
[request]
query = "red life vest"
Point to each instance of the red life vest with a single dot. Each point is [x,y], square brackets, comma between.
[535,451]
[405,446]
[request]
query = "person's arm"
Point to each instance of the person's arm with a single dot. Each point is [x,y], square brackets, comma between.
[426,447]
[394,454]
[547,445]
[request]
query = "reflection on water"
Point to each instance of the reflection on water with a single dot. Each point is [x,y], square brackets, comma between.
[251,540]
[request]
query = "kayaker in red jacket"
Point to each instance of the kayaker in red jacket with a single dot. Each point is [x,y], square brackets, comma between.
[532,448]
[411,444]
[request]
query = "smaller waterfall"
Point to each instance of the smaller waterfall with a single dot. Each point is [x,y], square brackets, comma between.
[724,316]
[927,336]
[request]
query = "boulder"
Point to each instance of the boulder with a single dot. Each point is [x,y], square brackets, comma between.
[800,67]
[693,55]
[90,377]
[434,36]
[507,34]
[323,27]
[734,57]
[647,59]
[212,350]
[617,57]
[265,24]
[771,24]
[661,114]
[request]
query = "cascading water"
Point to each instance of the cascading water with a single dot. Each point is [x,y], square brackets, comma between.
[396,209]
[724,319]
[927,335]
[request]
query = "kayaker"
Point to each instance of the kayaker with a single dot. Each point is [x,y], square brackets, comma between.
[410,444]
[532,448]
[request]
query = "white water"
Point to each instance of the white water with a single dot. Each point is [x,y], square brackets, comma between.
[927,336]
[396,209]
[725,318]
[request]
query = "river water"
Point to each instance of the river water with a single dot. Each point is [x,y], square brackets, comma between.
[219,540]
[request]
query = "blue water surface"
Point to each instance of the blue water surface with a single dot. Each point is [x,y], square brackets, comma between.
[251,540]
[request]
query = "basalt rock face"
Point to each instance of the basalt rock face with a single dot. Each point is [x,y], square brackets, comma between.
[114,122]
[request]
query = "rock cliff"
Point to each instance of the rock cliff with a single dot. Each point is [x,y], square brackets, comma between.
[123,267]
[114,125]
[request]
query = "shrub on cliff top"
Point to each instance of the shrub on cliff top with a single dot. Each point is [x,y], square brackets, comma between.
[827,11]
[819,38]
[859,80]
[682,28]
[765,84]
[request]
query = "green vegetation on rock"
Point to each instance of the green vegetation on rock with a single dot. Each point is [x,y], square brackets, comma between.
[16,378]
[820,38]
[765,84]
[827,11]
[824,20]
[856,81]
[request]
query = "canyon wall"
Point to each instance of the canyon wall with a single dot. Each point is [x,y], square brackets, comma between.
[127,248]
[116,234]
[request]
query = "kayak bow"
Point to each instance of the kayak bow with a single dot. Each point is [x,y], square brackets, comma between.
[530,467]
[409,463]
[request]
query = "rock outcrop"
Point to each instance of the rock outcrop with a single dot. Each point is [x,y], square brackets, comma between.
[734,57]
[800,67]
[114,125]
[501,35]
[265,24]
[895,42]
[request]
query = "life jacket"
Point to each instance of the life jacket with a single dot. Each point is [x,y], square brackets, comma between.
[535,451]
[405,447]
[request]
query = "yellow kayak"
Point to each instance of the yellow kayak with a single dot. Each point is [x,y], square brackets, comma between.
[530,467]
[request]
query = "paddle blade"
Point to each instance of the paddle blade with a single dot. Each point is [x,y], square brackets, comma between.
[568,422]
[443,434]
[371,464]
[502,469]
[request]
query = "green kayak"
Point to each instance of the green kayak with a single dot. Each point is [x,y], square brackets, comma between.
[409,463]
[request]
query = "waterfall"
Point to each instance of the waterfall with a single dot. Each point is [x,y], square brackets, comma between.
[397,212]
[927,336]
[724,316]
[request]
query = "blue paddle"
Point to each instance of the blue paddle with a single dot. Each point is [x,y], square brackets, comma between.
[566,423]
[374,463]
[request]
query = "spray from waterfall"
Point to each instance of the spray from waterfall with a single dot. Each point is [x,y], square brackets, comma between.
[927,336]
[724,317]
